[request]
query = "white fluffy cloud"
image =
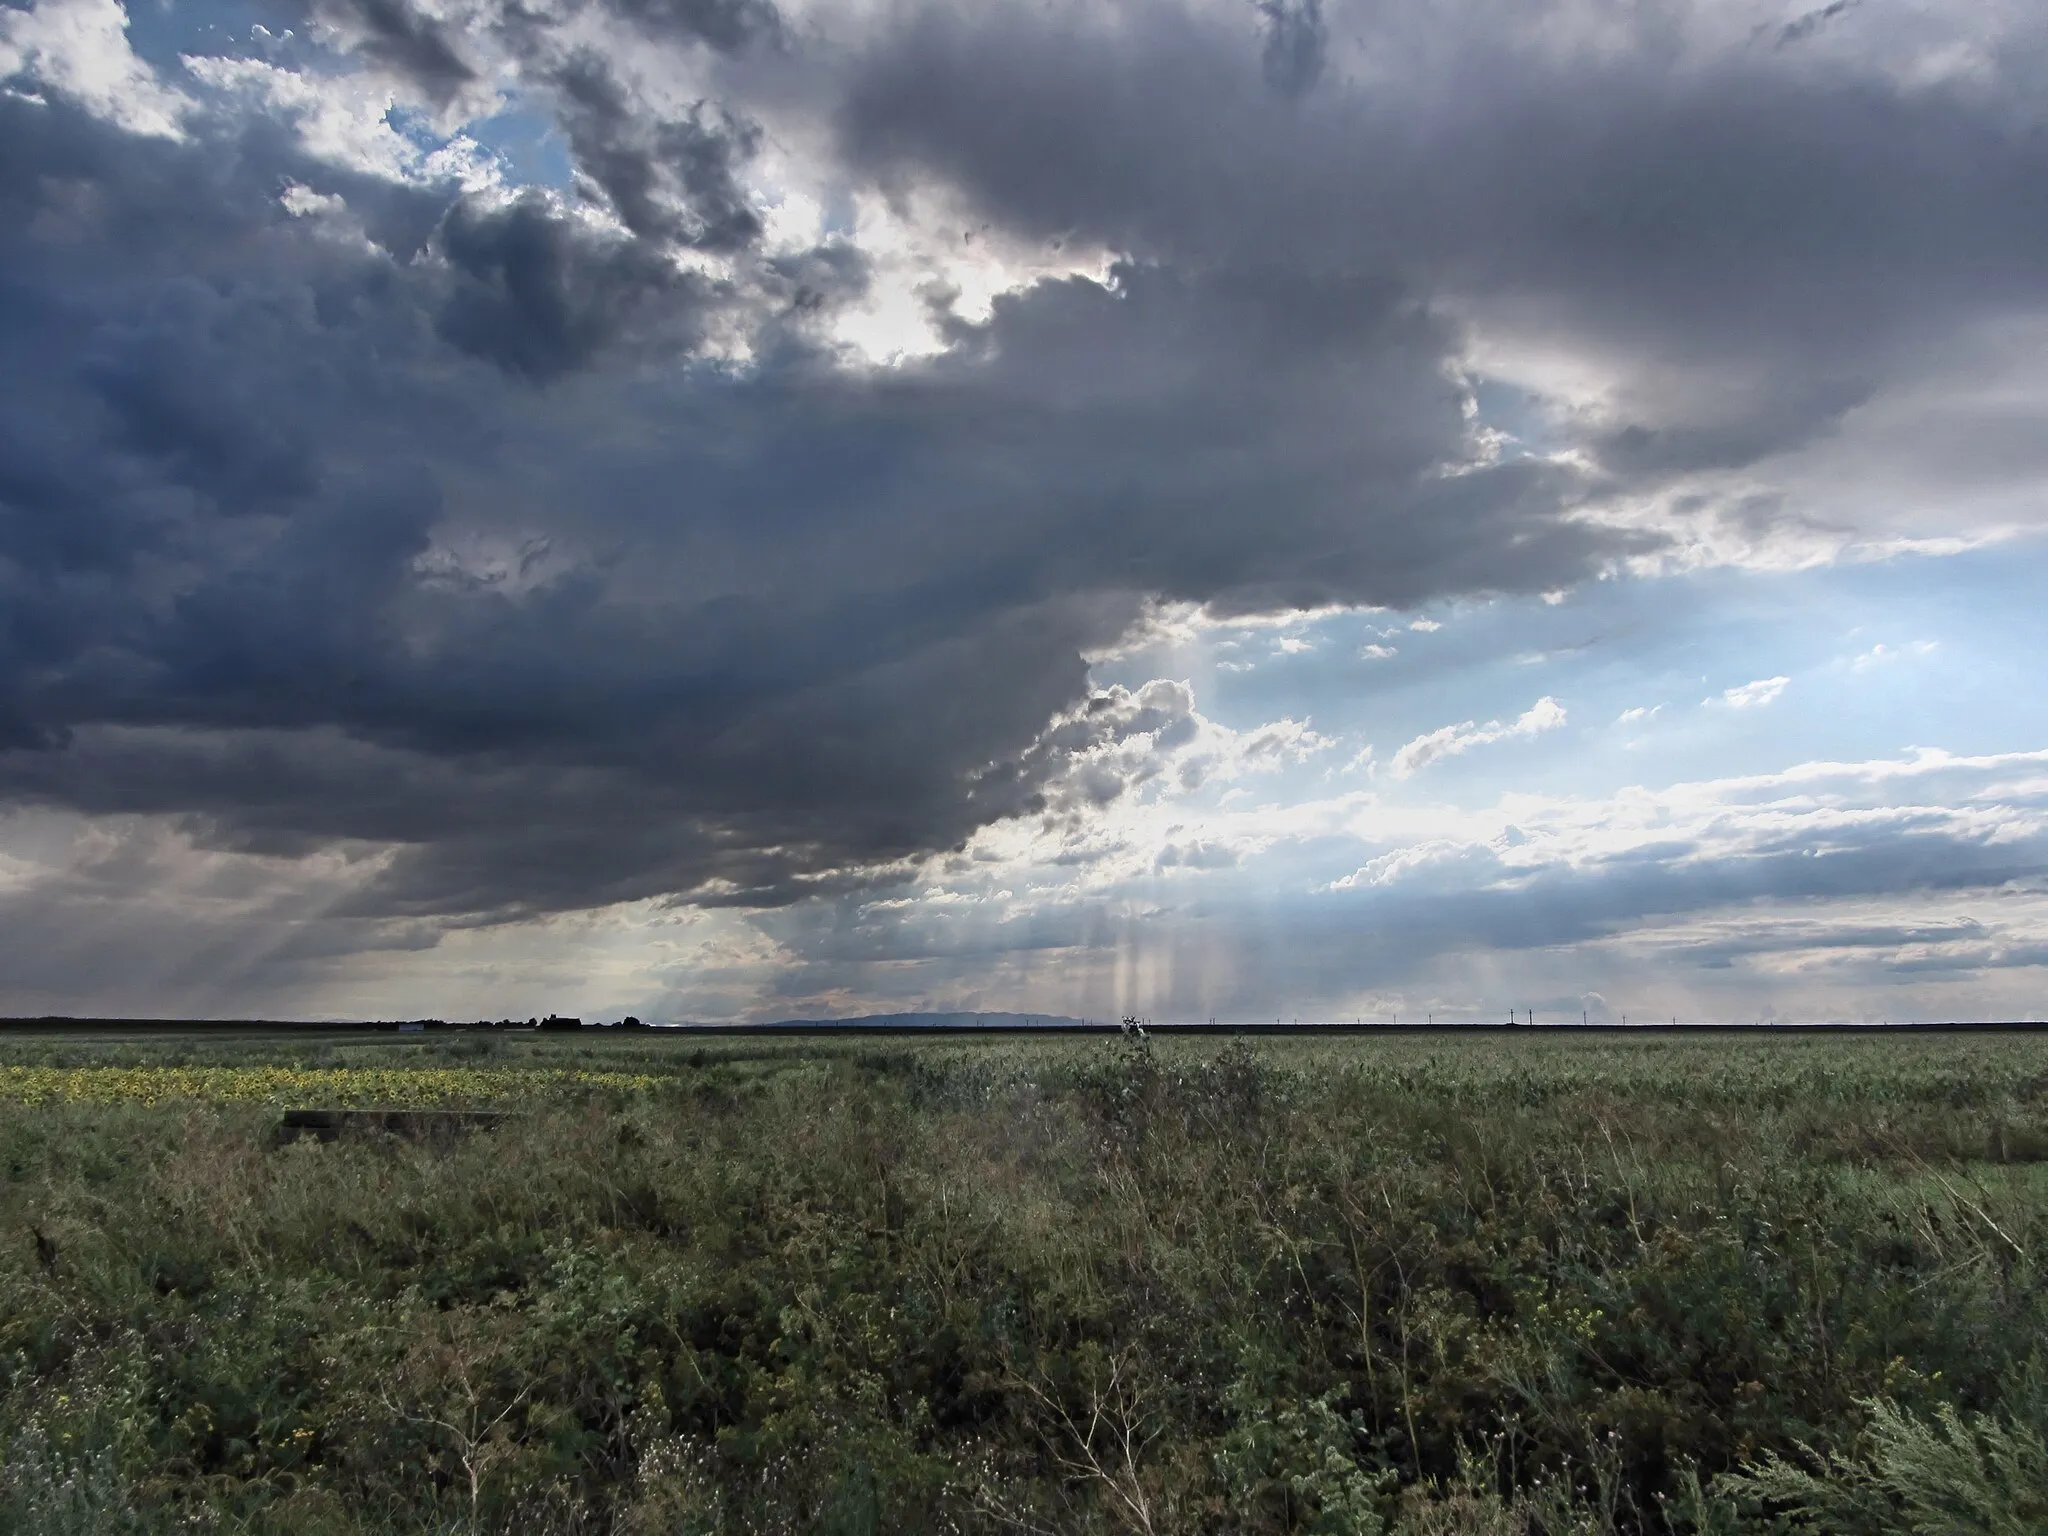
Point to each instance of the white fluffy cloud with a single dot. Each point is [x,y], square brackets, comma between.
[1546,714]
[1756,695]
[80,49]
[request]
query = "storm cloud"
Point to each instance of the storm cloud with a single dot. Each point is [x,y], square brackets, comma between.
[457,435]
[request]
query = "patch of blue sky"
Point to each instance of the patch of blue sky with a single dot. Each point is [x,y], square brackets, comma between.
[529,149]
[160,31]
[527,145]
[416,128]
[1876,659]
[1511,409]
[839,216]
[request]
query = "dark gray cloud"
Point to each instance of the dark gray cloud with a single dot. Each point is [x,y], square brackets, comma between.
[394,35]
[730,26]
[397,37]
[1297,41]
[1800,28]
[1778,241]
[816,620]
[567,556]
[666,178]
[540,298]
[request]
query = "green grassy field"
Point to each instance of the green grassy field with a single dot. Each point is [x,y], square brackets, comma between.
[1409,1284]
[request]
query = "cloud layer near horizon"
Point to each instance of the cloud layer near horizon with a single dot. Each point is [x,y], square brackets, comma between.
[486,463]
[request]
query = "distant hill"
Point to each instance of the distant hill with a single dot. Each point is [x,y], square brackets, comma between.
[947,1021]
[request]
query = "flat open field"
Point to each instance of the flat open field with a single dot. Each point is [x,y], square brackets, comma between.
[1417,1285]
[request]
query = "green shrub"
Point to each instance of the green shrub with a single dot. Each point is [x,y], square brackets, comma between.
[1944,1474]
[45,1491]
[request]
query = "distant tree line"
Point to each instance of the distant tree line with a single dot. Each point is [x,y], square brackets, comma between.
[552,1021]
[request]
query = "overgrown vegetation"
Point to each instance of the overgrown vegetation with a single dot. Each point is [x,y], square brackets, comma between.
[1402,1285]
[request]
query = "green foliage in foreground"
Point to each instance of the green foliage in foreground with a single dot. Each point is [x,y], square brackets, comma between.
[1383,1286]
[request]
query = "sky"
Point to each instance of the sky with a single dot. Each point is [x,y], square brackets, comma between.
[1237,509]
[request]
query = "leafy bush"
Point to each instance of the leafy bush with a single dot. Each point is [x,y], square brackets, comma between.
[1938,1475]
